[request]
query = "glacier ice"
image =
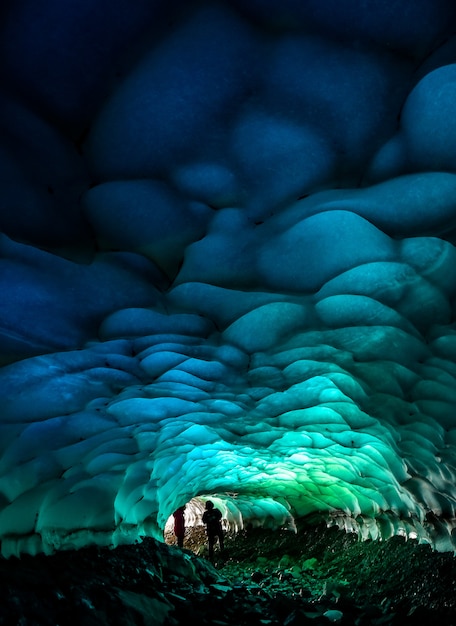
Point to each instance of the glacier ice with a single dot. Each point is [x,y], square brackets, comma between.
[228,267]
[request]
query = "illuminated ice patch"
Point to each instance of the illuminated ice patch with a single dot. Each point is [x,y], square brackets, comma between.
[319,422]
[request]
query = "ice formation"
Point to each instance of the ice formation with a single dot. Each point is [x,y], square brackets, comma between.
[228,267]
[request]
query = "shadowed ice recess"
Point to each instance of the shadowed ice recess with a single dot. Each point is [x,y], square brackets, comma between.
[228,267]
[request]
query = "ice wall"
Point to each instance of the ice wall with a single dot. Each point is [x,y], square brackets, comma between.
[227,266]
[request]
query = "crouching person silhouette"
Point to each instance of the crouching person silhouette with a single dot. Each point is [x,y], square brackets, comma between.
[212,517]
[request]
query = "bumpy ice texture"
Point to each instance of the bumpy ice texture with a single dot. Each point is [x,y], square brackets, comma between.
[228,267]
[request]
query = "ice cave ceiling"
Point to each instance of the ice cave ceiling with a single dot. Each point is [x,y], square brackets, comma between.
[227,266]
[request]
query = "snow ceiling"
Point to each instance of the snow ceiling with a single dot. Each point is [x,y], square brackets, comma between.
[227,266]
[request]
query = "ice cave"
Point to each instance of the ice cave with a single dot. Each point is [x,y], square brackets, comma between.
[228,267]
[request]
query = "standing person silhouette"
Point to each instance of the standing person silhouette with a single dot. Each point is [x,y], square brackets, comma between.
[179,525]
[212,517]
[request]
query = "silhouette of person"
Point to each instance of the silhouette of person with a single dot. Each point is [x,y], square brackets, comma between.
[179,525]
[212,517]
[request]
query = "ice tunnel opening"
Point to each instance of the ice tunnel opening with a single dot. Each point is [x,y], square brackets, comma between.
[238,513]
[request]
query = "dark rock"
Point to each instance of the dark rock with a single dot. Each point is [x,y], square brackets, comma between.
[327,577]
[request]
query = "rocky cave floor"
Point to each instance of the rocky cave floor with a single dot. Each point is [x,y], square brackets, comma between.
[317,576]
